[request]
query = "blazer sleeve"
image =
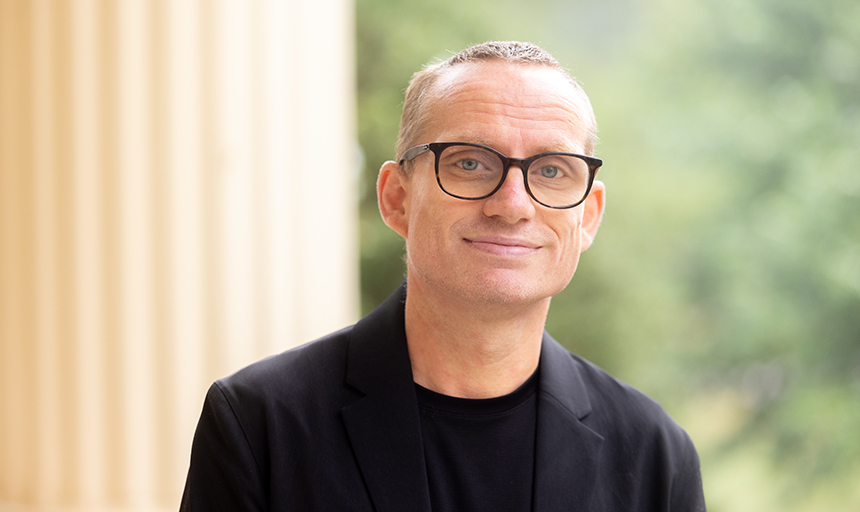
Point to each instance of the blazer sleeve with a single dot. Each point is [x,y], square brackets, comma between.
[686,493]
[224,473]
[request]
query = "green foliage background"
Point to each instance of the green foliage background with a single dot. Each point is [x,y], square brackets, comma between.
[725,280]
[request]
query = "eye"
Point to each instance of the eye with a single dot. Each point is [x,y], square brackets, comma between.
[469,164]
[549,171]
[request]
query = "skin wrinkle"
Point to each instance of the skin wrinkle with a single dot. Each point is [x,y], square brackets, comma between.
[447,88]
[510,114]
[550,147]
[524,117]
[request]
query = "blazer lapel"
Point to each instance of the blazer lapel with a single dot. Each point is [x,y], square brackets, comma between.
[383,426]
[567,451]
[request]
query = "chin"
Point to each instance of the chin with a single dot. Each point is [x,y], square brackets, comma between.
[505,291]
[512,287]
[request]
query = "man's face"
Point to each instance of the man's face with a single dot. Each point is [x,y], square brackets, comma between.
[506,248]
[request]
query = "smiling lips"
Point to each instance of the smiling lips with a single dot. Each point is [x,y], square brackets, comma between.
[502,246]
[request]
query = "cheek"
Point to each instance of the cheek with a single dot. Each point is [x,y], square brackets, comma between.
[568,259]
[414,205]
[571,254]
[567,229]
[424,225]
[570,246]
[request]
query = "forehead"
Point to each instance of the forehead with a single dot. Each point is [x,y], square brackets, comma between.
[524,106]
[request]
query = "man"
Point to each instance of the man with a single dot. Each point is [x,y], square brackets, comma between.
[450,395]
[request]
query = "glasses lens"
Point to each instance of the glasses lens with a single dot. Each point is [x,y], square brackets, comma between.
[469,172]
[558,180]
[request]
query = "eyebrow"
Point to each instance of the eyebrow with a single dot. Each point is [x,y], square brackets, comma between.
[557,145]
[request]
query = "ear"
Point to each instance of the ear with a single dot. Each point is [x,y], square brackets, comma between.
[391,196]
[592,212]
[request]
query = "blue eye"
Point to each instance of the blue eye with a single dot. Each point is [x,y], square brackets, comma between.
[549,171]
[469,164]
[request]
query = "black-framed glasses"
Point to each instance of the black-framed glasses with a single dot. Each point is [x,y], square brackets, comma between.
[474,171]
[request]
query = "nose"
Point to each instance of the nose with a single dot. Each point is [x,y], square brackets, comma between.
[511,202]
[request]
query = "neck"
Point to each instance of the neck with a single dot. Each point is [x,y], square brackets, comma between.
[472,350]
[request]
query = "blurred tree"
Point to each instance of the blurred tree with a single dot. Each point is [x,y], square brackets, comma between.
[771,273]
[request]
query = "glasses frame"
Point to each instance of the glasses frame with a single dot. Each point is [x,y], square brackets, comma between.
[523,163]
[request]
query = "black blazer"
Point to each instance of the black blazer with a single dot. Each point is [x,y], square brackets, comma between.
[334,425]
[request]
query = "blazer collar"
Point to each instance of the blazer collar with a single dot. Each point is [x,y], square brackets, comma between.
[567,452]
[385,431]
[383,426]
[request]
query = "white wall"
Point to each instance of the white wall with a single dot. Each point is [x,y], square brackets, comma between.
[177,199]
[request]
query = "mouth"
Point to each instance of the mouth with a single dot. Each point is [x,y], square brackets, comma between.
[503,246]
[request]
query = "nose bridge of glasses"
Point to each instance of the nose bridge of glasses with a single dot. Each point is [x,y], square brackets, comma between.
[522,165]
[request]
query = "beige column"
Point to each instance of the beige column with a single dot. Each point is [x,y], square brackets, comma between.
[177,199]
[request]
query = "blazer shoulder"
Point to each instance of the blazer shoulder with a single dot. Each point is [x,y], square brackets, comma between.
[639,433]
[292,376]
[610,393]
[314,370]
[591,393]
[621,410]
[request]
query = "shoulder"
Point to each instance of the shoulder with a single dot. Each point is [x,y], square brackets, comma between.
[292,376]
[277,404]
[639,433]
[636,422]
[625,417]
[321,365]
[276,420]
[617,403]
[295,392]
[644,452]
[308,385]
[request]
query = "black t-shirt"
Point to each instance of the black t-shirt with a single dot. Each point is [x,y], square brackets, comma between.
[480,453]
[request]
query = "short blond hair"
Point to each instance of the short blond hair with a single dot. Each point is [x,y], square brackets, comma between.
[419,92]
